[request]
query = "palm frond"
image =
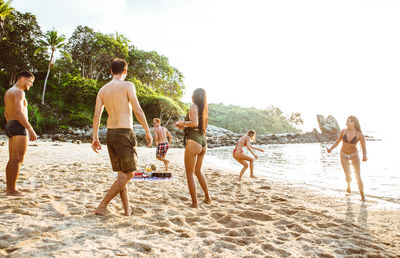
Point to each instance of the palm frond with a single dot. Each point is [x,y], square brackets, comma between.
[5,8]
[66,55]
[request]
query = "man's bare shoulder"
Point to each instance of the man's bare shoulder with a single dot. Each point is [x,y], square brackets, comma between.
[128,84]
[14,93]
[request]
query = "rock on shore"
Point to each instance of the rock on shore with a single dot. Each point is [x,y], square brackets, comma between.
[216,136]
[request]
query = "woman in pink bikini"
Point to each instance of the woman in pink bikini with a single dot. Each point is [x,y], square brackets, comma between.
[238,154]
[349,152]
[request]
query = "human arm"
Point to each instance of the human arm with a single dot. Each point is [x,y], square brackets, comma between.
[155,136]
[169,137]
[21,116]
[139,114]
[363,147]
[339,139]
[6,115]
[248,146]
[254,148]
[98,111]
[193,119]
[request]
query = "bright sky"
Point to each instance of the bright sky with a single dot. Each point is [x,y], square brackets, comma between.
[328,57]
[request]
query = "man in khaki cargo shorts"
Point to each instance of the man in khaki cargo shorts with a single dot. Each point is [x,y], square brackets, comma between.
[119,97]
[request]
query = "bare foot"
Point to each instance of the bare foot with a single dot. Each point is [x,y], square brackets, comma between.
[194,205]
[348,194]
[363,198]
[348,189]
[129,212]
[207,200]
[240,178]
[14,193]
[166,165]
[103,211]
[253,176]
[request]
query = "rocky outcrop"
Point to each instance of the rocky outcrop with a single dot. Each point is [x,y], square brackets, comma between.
[328,125]
[310,137]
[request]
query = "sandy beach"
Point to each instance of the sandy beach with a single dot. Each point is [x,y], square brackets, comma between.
[64,182]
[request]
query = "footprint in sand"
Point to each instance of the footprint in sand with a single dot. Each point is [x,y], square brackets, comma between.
[177,221]
[327,225]
[190,220]
[239,241]
[277,199]
[286,211]
[297,228]
[268,248]
[256,216]
[22,211]
[266,187]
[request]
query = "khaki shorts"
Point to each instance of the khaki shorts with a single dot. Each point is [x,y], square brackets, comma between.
[121,145]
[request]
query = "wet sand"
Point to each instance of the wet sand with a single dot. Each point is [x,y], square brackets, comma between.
[63,183]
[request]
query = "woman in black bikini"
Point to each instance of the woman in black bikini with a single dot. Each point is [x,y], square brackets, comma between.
[349,152]
[195,126]
[238,154]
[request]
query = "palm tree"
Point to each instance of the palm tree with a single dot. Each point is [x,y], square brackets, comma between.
[5,10]
[53,42]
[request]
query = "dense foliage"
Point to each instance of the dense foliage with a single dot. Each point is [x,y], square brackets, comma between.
[82,67]
[240,120]
[78,74]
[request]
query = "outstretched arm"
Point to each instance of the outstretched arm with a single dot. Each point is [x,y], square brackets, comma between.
[139,114]
[339,139]
[254,148]
[250,149]
[96,123]
[363,147]
[21,116]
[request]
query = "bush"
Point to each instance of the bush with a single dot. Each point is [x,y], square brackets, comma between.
[42,122]
[75,89]
[162,107]
[80,119]
[2,118]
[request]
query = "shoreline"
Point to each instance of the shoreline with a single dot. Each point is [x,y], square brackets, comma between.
[216,137]
[64,182]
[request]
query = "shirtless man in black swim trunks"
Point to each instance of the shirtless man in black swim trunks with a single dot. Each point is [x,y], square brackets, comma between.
[16,113]
[119,98]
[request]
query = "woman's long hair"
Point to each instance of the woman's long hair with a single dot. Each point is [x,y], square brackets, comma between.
[200,99]
[356,123]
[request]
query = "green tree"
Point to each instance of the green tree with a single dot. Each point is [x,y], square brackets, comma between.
[52,42]
[239,119]
[92,51]
[295,120]
[154,70]
[5,10]
[20,41]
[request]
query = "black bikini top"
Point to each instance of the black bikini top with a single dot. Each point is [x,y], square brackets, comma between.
[353,141]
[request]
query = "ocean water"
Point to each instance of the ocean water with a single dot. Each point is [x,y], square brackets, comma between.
[310,165]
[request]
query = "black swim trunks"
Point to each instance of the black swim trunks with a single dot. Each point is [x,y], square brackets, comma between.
[121,145]
[14,128]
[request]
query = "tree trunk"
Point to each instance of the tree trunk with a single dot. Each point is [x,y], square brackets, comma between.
[1,29]
[12,78]
[47,76]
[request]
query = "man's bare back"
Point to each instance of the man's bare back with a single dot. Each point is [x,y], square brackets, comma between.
[119,99]
[161,133]
[13,97]
[115,96]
